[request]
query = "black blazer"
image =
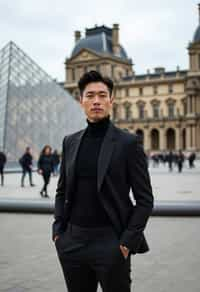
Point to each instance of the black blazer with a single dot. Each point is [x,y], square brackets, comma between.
[122,165]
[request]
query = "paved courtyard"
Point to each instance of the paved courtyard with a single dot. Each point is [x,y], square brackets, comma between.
[166,185]
[28,259]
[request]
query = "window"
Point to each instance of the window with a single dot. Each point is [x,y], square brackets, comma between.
[171,110]
[156,110]
[155,90]
[127,107]
[170,88]
[141,91]
[141,111]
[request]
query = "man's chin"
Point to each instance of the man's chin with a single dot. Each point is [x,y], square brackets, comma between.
[96,118]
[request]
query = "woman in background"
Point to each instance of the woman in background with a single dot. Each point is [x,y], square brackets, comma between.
[45,168]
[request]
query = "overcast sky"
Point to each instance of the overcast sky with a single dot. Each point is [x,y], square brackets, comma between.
[154,33]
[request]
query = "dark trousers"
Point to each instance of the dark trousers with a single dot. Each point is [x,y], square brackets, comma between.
[46,177]
[2,175]
[89,256]
[24,172]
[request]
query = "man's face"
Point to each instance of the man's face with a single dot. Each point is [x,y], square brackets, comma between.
[96,101]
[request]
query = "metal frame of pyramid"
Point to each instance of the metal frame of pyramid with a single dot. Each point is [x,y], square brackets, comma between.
[34,109]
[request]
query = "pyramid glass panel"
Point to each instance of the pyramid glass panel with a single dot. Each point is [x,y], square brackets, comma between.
[34,109]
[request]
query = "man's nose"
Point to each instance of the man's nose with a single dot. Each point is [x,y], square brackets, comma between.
[96,99]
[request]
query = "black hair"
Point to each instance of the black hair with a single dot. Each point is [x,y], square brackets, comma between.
[44,149]
[94,76]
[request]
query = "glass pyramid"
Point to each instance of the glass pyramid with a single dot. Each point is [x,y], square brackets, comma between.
[34,109]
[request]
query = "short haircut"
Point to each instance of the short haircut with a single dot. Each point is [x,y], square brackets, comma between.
[94,76]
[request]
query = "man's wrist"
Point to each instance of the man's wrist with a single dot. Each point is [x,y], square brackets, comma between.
[55,238]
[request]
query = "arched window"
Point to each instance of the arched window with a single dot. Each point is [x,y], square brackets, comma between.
[170,136]
[141,109]
[155,143]
[155,108]
[171,107]
[140,133]
[127,109]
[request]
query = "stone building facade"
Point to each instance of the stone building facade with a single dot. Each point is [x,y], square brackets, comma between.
[163,107]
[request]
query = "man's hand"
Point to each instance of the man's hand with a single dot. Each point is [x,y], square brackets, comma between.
[56,238]
[124,250]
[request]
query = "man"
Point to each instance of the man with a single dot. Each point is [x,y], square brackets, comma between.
[96,226]
[3,160]
[26,162]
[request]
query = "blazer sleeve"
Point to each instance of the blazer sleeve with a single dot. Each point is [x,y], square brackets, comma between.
[139,180]
[59,224]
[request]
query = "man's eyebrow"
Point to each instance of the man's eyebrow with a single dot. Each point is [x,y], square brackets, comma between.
[92,91]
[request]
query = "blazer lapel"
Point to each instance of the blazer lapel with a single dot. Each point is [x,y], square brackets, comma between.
[74,147]
[105,154]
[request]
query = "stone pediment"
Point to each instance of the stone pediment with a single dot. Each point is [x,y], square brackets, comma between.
[85,55]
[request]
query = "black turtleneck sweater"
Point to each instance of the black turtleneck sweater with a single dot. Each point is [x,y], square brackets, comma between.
[87,209]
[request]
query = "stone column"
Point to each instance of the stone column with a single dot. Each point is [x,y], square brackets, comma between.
[162,139]
[194,104]
[147,145]
[193,137]
[188,137]
[178,138]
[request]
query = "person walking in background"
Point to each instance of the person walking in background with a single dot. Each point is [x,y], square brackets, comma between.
[56,162]
[180,160]
[45,168]
[26,162]
[170,160]
[191,159]
[3,160]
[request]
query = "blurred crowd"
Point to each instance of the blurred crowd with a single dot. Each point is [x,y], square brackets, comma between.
[47,165]
[173,159]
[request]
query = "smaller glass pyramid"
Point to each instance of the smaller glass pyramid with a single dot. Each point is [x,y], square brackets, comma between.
[34,109]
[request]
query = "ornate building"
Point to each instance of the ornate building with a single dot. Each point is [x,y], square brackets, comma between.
[163,107]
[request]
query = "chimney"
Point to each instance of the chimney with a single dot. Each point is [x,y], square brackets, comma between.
[77,35]
[115,39]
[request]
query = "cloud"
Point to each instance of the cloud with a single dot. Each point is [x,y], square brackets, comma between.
[153,32]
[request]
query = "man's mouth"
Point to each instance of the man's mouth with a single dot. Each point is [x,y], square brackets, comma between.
[96,109]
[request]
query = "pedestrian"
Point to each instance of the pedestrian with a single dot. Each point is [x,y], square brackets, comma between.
[56,162]
[45,168]
[170,160]
[3,160]
[26,162]
[180,160]
[191,159]
[97,228]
